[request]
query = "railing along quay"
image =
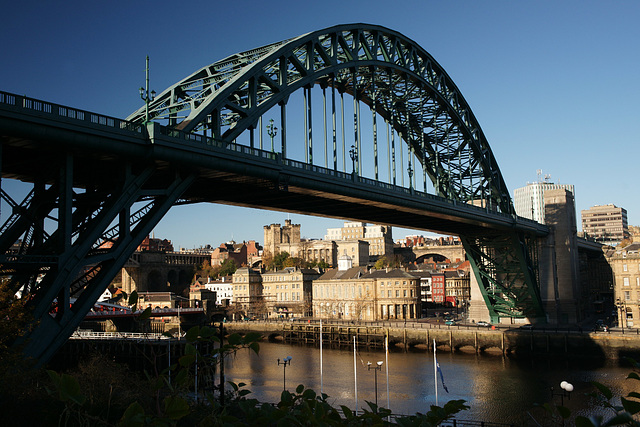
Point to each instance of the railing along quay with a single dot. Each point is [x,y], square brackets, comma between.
[138,336]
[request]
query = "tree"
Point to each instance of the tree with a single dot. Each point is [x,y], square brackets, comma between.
[14,316]
[227,268]
[384,262]
[277,263]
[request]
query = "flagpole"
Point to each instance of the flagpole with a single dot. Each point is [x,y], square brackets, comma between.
[355,373]
[386,350]
[321,389]
[435,371]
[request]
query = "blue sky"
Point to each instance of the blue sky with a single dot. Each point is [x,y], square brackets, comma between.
[554,84]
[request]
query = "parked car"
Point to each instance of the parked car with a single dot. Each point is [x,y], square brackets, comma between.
[483,323]
[450,322]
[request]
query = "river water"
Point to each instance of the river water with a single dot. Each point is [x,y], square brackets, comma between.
[497,389]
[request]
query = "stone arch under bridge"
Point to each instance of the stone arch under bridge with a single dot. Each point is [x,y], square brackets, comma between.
[160,272]
[452,253]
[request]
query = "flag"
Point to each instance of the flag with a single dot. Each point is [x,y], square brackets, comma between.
[441,377]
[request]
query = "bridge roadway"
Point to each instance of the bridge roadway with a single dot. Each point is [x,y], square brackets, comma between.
[37,134]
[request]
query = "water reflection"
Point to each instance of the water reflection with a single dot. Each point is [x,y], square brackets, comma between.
[497,389]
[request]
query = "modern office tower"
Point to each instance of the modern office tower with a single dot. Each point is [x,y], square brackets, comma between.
[607,224]
[529,200]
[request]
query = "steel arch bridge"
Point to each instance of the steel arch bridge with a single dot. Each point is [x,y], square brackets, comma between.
[202,140]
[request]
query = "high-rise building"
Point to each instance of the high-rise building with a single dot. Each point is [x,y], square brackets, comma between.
[529,200]
[607,224]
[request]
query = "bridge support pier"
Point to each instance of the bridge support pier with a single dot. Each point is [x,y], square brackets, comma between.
[558,261]
[477,307]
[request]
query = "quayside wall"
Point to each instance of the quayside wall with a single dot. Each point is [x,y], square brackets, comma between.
[511,341]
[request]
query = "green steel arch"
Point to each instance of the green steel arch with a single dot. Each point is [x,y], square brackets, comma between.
[401,83]
[382,68]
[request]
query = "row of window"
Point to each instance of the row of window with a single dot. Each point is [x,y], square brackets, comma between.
[279,278]
[626,268]
[284,296]
[397,283]
[626,281]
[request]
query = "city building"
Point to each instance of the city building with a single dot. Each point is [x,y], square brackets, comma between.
[398,294]
[606,224]
[287,239]
[528,201]
[287,292]
[247,293]
[379,237]
[157,300]
[352,293]
[625,264]
[424,282]
[276,235]
[151,244]
[242,254]
[222,287]
[344,293]
[357,249]
[438,288]
[457,286]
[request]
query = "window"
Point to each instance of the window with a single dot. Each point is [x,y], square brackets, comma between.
[625,281]
[624,267]
[397,293]
[627,295]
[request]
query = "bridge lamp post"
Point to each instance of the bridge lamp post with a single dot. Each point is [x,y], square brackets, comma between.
[284,362]
[147,96]
[353,153]
[410,171]
[272,131]
[377,367]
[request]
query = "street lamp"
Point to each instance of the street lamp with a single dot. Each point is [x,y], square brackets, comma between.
[286,361]
[410,171]
[567,388]
[621,312]
[353,153]
[376,368]
[147,96]
[272,131]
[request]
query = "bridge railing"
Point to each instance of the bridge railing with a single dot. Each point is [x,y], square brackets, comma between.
[277,157]
[49,108]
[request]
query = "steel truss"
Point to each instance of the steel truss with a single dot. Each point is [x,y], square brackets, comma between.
[505,266]
[61,274]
